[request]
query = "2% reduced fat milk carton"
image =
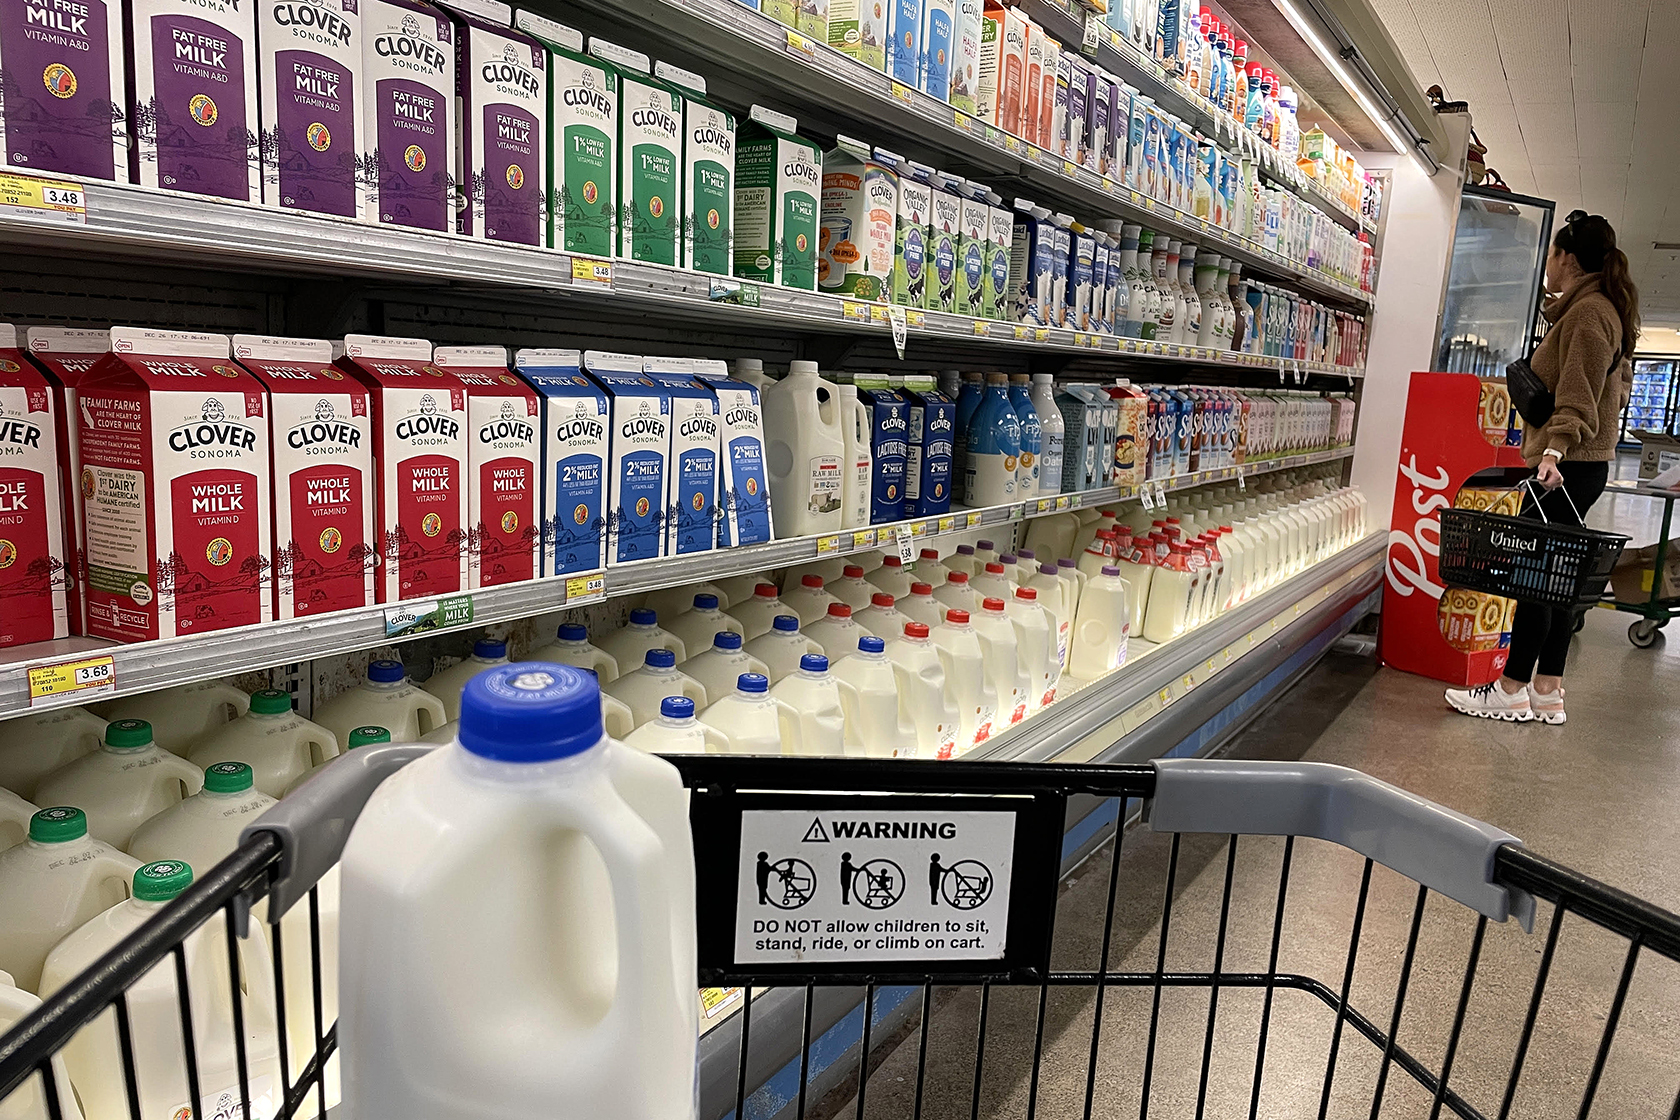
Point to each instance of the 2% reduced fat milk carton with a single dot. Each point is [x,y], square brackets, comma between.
[574,460]
[33,572]
[638,456]
[691,482]
[743,483]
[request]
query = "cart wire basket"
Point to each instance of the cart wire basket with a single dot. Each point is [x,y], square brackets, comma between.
[1187,938]
[1531,561]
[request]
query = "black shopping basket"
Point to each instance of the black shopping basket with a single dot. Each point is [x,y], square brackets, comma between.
[1273,939]
[1530,561]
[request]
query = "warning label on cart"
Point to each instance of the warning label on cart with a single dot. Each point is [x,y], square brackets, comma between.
[855,885]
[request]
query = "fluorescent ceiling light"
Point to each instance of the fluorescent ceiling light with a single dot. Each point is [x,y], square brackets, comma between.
[1332,59]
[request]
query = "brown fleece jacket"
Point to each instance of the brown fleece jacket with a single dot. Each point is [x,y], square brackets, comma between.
[1574,362]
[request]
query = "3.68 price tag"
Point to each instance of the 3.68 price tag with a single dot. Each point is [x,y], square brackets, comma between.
[84,678]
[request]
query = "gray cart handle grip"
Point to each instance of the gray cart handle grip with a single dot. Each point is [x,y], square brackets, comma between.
[1444,850]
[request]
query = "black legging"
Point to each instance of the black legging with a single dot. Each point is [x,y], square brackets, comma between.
[1540,633]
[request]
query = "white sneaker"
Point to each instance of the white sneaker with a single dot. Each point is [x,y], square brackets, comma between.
[1492,702]
[1547,706]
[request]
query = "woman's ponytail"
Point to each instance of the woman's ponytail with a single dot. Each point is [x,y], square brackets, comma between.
[1593,242]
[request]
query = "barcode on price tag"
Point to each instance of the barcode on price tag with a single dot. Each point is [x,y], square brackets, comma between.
[84,678]
[24,196]
[1146,497]
[585,588]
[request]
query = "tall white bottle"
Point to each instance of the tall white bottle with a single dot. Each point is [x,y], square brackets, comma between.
[1101,627]
[53,882]
[750,720]
[571,646]
[1036,641]
[718,668]
[804,452]
[1053,434]
[921,682]
[966,679]
[858,462]
[816,724]
[446,684]
[878,719]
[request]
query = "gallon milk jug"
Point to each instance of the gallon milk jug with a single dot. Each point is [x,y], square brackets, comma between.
[180,715]
[53,882]
[804,452]
[123,784]
[878,721]
[676,731]
[816,724]
[781,648]
[386,699]
[930,571]
[359,737]
[616,717]
[629,646]
[1137,568]
[154,1013]
[892,577]
[700,624]
[670,602]
[984,553]
[571,646]
[204,828]
[28,1101]
[1035,632]
[921,606]
[738,589]
[1068,571]
[851,588]
[759,611]
[33,746]
[921,685]
[830,569]
[1171,588]
[15,813]
[278,744]
[962,560]
[807,599]
[1100,627]
[855,426]
[991,584]
[643,690]
[446,684]
[956,594]
[882,618]
[1001,649]
[837,632]
[718,668]
[517,920]
[966,679]
[750,720]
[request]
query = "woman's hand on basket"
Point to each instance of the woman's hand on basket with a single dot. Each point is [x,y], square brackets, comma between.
[1547,473]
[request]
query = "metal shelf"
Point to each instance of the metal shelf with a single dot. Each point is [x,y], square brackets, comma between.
[145,666]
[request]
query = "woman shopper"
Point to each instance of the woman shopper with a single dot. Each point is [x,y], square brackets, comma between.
[1594,325]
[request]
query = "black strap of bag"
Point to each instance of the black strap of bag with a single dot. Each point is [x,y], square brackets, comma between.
[1529,396]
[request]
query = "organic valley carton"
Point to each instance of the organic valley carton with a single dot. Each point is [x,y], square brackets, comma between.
[778,192]
[691,483]
[859,209]
[638,455]
[311,69]
[409,152]
[649,159]
[743,486]
[420,445]
[910,233]
[501,77]
[33,573]
[859,28]
[582,206]
[708,177]
[974,230]
[944,233]
[193,113]
[504,466]
[999,244]
[176,477]
[68,117]
[574,461]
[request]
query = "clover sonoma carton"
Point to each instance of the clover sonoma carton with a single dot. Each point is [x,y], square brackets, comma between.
[708,176]
[939,29]
[33,607]
[859,209]
[501,80]
[778,193]
[574,458]
[743,484]
[409,153]
[910,233]
[504,466]
[649,159]
[311,72]
[69,120]
[638,456]
[859,28]
[420,444]
[193,112]
[904,41]
[582,207]
[322,438]
[176,472]
[691,475]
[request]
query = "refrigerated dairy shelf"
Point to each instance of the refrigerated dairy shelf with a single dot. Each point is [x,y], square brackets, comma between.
[145,666]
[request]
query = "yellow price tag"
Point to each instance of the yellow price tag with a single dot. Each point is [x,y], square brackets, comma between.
[715,1000]
[854,312]
[1148,202]
[903,92]
[1064,501]
[879,313]
[1012,142]
[973,520]
[1022,333]
[800,45]
[50,199]
[946,524]
[1044,505]
[1040,334]
[826,545]
[590,268]
[1069,167]
[915,318]
[863,538]
[584,588]
[83,678]
[982,328]
[918,528]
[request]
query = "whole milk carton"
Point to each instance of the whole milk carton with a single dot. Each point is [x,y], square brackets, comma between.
[778,199]
[638,455]
[859,213]
[708,175]
[910,232]
[420,445]
[504,466]
[311,68]
[574,460]
[322,437]
[33,572]
[743,484]
[692,470]
[176,478]
[68,117]
[649,158]
[582,208]
[501,79]
[409,150]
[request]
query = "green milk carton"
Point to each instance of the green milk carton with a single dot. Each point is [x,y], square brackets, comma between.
[973,233]
[583,129]
[910,232]
[708,176]
[649,158]
[778,200]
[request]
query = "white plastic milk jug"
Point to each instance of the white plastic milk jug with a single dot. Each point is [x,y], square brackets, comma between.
[15,814]
[279,745]
[670,602]
[965,678]
[781,648]
[837,632]
[33,746]
[676,731]
[180,715]
[957,594]
[1052,596]
[28,1101]
[204,828]
[921,606]
[851,588]
[386,699]
[856,428]
[991,584]
[359,737]
[53,882]
[878,722]
[736,590]
[629,646]
[882,617]
[816,725]
[929,570]
[1100,629]
[892,577]
[807,599]
[571,646]
[1035,638]
[643,690]
[759,611]
[1002,651]
[962,560]
[123,784]
[446,684]
[804,452]
[750,720]
[702,622]
[718,668]
[921,687]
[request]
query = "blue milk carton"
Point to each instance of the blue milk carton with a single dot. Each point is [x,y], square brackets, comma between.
[904,42]
[889,443]
[743,483]
[928,473]
[1061,250]
[638,458]
[691,477]
[574,461]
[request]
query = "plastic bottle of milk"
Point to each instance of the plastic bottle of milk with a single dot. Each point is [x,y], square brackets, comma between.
[1052,437]
[572,646]
[718,668]
[807,599]
[204,828]
[616,717]
[641,691]
[878,720]
[28,1101]
[1170,589]
[837,633]
[697,627]
[966,679]
[1038,654]
[1032,440]
[1001,650]
[922,687]
[882,618]
[1051,588]
[955,593]
[984,553]
[446,684]
[386,699]
[154,1012]
[278,744]
[892,577]
[921,606]
[804,452]
[671,603]
[15,813]
[676,731]
[758,612]
[33,746]
[1100,627]
[359,737]
[994,447]
[736,590]
[53,882]
[1137,569]
[180,715]
[816,724]
[1068,571]
[629,646]
[929,570]
[749,718]
[125,783]
[781,648]
[851,588]
[962,560]
[991,583]
[1052,537]
[855,427]
[1100,551]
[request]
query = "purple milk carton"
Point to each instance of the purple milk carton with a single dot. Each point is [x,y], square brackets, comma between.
[61,88]
[311,63]
[502,79]
[408,114]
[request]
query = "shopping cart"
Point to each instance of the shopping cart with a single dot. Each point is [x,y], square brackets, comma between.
[1273,939]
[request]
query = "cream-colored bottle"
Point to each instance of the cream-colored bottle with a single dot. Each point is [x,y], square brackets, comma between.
[700,624]
[33,746]
[816,724]
[750,720]
[644,689]
[279,745]
[571,646]
[179,716]
[387,698]
[53,882]
[922,687]
[676,731]
[446,684]
[781,649]
[721,665]
[629,646]
[204,828]
[123,784]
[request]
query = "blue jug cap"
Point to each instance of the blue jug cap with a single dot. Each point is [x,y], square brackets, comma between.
[535,711]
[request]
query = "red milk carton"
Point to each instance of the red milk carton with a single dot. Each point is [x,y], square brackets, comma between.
[420,446]
[175,485]
[322,437]
[504,466]
[32,565]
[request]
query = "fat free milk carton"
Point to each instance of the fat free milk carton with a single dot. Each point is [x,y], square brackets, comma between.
[501,78]
[743,484]
[311,128]
[582,204]
[778,200]
[193,114]
[910,233]
[176,474]
[504,466]
[574,461]
[33,572]
[409,153]
[322,441]
[420,445]
[859,212]
[692,474]
[63,111]
[650,147]
[974,230]
[859,28]
[638,457]
[708,177]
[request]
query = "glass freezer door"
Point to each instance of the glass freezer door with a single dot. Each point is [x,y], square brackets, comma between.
[1488,317]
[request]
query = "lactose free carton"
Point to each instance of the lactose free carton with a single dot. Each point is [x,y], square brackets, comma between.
[311,68]
[33,572]
[575,446]
[408,114]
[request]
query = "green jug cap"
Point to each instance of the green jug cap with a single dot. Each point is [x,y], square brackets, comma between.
[228,777]
[162,881]
[372,733]
[57,825]
[271,702]
[126,734]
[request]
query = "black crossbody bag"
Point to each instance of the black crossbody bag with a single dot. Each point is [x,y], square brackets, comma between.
[1529,396]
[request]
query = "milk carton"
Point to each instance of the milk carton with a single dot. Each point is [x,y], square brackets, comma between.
[1032,84]
[939,26]
[859,210]
[504,466]
[743,485]
[944,234]
[1009,39]
[708,177]
[66,355]
[69,118]
[778,192]
[965,62]
[973,233]
[574,458]
[1031,265]
[859,28]
[932,442]
[691,484]
[408,109]
[889,445]
[583,131]
[501,80]
[33,572]
[904,41]
[420,444]
[638,455]
[322,438]
[910,232]
[1081,437]
[1081,283]
[1060,269]
[1000,241]
[193,108]
[175,474]
[649,159]
[310,69]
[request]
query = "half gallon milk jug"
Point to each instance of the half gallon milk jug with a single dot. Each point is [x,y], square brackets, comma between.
[892,577]
[962,560]
[1051,596]
[1002,651]
[930,571]
[759,610]
[816,725]
[837,632]
[878,722]
[781,648]
[53,882]
[956,594]
[154,1013]
[359,737]
[1068,571]
[571,646]
[805,452]
[676,731]
[15,814]
[882,618]
[921,686]
[278,744]
[643,690]
[446,684]
[855,427]
[28,1101]
[204,828]
[180,715]
[700,624]
[616,717]
[965,678]
[629,646]
[1035,635]
[33,746]
[718,668]
[807,599]
[921,606]
[1100,628]
[517,920]
[851,588]
[123,784]
[750,719]
[1171,589]
[669,602]
[386,699]
[991,584]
